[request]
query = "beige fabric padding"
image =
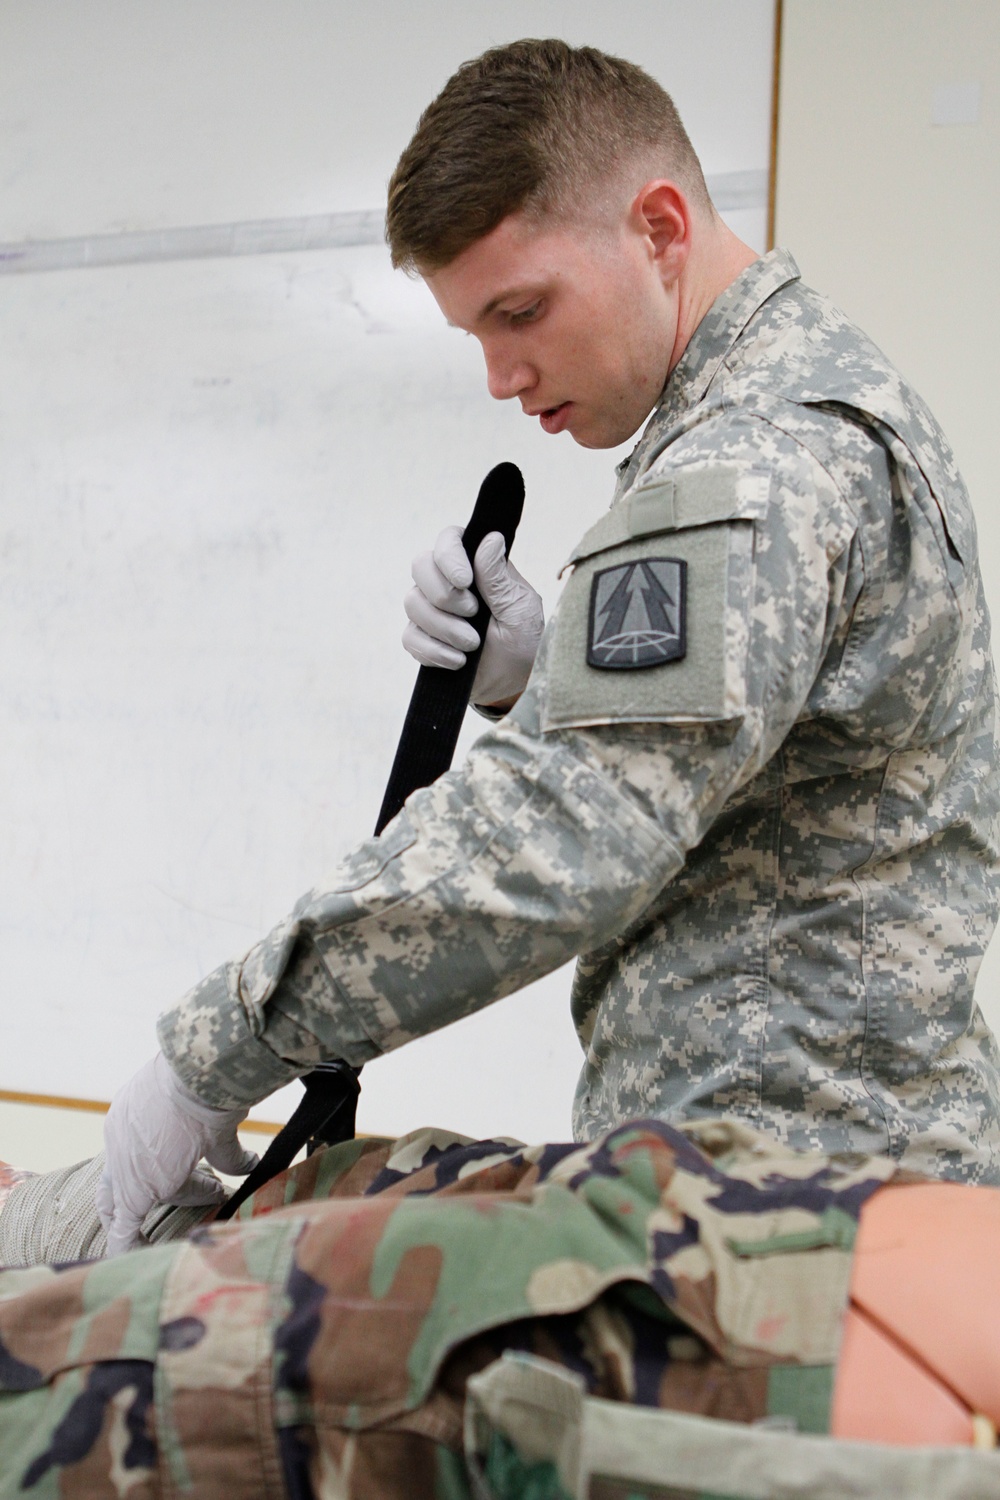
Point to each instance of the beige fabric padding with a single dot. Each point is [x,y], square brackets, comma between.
[52,1218]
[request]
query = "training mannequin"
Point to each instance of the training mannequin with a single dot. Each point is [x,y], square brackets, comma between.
[341,1317]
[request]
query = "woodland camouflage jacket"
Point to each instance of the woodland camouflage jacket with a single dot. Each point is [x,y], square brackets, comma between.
[320,1345]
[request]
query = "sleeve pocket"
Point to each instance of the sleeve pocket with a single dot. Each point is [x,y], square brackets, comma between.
[653,624]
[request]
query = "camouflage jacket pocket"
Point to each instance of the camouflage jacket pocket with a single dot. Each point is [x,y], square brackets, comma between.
[54,1319]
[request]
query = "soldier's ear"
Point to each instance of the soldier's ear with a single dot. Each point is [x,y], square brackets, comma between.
[661,213]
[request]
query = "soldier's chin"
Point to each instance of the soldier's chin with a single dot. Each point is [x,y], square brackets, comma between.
[598,432]
[587,437]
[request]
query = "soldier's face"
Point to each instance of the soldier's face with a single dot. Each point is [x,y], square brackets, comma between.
[577,324]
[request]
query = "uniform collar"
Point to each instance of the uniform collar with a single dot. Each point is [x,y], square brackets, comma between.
[720,328]
[710,343]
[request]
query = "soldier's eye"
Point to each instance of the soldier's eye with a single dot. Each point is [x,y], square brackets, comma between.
[525,315]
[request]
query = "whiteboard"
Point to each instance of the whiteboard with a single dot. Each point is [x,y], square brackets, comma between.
[213,475]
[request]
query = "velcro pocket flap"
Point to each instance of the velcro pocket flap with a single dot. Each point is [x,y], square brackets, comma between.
[664,502]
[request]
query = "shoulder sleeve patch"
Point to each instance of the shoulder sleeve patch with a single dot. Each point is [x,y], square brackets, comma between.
[638,614]
[653,624]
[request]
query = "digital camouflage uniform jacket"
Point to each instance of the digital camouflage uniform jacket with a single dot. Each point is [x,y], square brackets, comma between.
[772,836]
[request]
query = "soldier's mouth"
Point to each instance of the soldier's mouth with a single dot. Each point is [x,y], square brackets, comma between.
[555,418]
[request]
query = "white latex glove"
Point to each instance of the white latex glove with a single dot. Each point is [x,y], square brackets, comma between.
[155,1134]
[441,604]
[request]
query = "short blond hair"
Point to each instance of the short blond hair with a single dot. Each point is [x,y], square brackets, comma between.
[528,126]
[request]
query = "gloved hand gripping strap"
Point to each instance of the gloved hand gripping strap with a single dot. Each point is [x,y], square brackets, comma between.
[326,1112]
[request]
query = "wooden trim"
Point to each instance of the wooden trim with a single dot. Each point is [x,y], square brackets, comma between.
[99,1107]
[54,1101]
[772,176]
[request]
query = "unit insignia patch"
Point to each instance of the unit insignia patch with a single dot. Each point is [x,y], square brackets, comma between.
[638,614]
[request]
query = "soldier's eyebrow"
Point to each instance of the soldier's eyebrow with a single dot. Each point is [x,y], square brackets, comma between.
[509,294]
[512,294]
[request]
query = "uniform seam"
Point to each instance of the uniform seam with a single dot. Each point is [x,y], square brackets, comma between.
[875,427]
[874,1035]
[800,441]
[777,821]
[841,549]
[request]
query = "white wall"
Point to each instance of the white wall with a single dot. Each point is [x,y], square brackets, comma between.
[122,116]
[213,475]
[898,217]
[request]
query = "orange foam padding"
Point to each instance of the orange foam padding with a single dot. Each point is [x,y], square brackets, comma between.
[927,1271]
[882,1396]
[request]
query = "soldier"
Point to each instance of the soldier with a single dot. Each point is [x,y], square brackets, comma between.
[749,778]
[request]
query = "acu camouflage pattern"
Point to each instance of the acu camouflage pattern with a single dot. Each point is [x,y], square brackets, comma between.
[323,1347]
[782,893]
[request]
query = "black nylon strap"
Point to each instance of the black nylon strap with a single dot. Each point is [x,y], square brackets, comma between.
[326,1112]
[440,697]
